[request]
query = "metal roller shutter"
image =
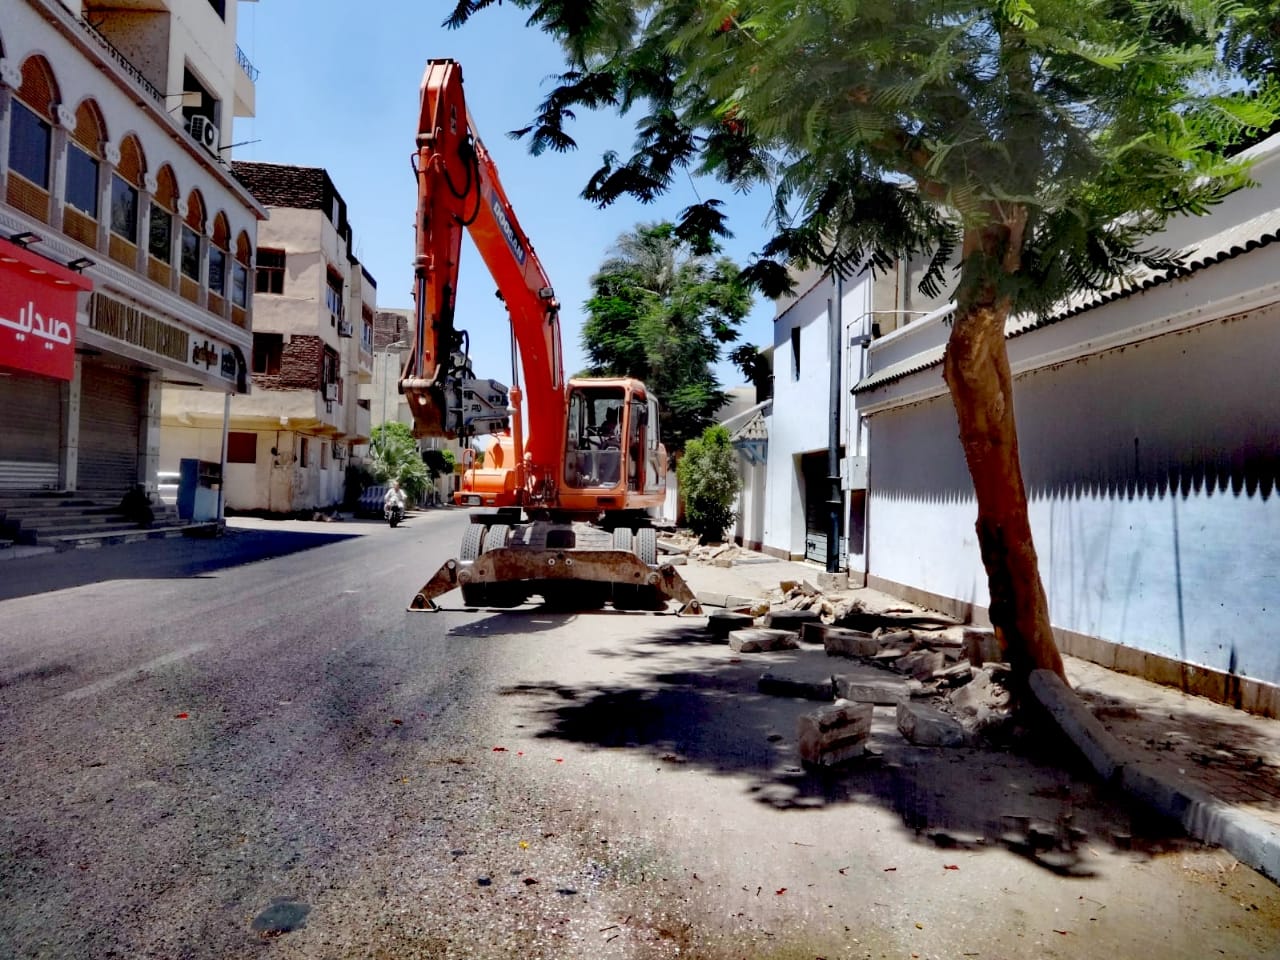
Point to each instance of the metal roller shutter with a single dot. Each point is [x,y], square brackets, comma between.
[30,431]
[110,417]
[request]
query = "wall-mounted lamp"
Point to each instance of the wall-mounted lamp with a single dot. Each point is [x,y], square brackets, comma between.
[25,238]
[861,340]
[79,263]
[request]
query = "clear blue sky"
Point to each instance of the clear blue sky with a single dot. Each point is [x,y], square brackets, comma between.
[338,89]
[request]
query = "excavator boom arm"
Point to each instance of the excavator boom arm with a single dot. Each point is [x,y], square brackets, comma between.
[459,189]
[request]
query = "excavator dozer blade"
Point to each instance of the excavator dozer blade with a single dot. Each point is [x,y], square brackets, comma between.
[511,574]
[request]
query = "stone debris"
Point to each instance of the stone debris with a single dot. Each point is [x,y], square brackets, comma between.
[981,646]
[947,685]
[835,734]
[842,642]
[721,623]
[884,693]
[927,726]
[921,664]
[779,686]
[793,620]
[761,640]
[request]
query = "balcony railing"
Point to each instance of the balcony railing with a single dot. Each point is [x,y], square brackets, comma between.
[121,60]
[249,69]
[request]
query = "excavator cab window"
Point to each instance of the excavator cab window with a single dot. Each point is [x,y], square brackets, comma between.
[593,451]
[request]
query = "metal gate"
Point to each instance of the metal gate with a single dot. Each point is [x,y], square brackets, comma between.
[817,512]
[110,421]
[30,431]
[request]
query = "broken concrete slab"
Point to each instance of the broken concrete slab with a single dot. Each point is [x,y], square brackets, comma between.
[981,645]
[779,686]
[740,603]
[835,734]
[709,599]
[884,693]
[927,726]
[761,640]
[721,623]
[955,674]
[840,641]
[922,664]
[793,620]
[896,638]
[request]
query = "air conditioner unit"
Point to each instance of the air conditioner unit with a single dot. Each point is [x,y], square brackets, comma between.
[331,391]
[345,329]
[205,133]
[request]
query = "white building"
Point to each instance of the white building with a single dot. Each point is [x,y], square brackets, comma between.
[121,229]
[1150,444]
[288,444]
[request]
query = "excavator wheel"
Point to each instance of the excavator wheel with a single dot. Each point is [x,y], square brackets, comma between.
[622,539]
[471,541]
[647,545]
[496,536]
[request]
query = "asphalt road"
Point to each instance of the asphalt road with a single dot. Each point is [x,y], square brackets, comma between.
[246,747]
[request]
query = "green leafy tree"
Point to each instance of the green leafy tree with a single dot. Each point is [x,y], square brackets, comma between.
[660,310]
[709,483]
[1040,142]
[439,463]
[396,457]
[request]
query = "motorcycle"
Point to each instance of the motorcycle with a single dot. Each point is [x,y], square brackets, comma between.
[393,511]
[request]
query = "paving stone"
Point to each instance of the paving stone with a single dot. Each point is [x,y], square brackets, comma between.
[884,693]
[740,603]
[835,734]
[708,599]
[928,726]
[721,623]
[840,641]
[981,645]
[779,686]
[896,638]
[761,640]
[790,619]
[922,664]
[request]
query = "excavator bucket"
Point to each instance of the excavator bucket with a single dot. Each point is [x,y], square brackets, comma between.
[506,577]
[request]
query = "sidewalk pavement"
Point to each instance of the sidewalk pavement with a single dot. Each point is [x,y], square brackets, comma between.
[1212,768]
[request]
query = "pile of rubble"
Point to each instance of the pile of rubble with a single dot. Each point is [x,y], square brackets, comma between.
[947,685]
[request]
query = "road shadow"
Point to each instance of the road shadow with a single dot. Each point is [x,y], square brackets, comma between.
[693,702]
[174,558]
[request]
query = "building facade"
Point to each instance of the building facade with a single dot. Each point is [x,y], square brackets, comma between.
[288,444]
[126,244]
[1150,447]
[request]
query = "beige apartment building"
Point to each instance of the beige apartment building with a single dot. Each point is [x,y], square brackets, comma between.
[288,443]
[127,246]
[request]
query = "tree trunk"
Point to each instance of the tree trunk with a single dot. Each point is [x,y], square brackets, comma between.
[977,372]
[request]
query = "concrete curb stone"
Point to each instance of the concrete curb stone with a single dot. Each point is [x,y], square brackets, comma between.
[1249,839]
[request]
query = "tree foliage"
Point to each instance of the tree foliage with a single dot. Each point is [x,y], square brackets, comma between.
[660,311]
[709,483]
[1039,142]
[439,462]
[395,457]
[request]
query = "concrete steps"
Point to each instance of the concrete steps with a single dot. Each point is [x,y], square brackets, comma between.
[64,519]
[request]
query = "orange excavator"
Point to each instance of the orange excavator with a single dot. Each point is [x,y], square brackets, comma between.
[566,497]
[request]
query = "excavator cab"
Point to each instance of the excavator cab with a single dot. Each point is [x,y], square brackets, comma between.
[593,447]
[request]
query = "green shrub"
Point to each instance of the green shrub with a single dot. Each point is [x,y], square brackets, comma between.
[709,483]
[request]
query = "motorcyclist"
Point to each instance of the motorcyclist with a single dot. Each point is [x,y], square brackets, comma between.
[394,497]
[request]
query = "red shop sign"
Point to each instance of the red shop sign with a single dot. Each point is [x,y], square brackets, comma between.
[37,312]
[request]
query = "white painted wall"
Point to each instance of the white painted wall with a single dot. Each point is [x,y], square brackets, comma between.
[801,418]
[1152,472]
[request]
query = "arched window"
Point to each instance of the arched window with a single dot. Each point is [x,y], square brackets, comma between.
[189,249]
[84,165]
[160,241]
[31,139]
[125,184]
[218,262]
[240,280]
